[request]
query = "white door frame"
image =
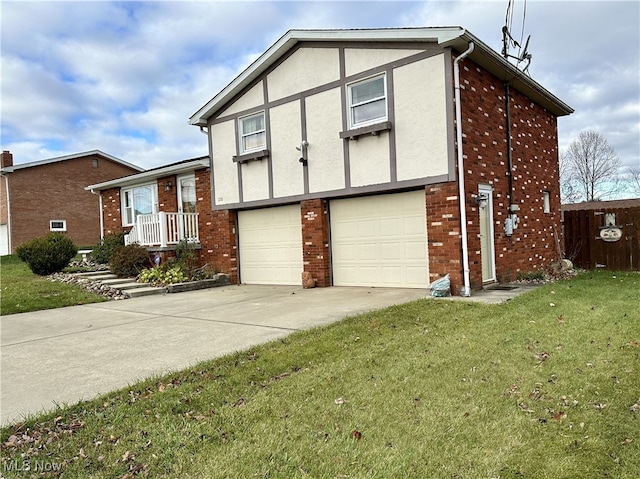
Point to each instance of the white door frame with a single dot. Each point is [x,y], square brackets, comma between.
[486,191]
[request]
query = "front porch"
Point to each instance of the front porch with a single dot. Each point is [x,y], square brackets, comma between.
[164,229]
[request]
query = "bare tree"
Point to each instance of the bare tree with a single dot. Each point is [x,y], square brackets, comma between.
[634,179]
[591,167]
[568,193]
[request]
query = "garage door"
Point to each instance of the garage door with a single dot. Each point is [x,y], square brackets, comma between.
[380,241]
[270,245]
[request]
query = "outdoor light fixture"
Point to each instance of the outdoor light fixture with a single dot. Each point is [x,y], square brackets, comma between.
[168,186]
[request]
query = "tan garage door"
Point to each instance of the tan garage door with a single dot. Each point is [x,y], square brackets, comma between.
[380,241]
[270,245]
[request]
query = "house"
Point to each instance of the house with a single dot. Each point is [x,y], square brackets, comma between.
[603,234]
[160,207]
[48,195]
[384,157]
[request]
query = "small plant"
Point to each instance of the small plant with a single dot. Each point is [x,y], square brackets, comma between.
[102,251]
[537,275]
[129,260]
[48,254]
[164,274]
[186,254]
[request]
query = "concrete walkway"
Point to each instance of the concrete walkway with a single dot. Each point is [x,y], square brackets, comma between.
[66,355]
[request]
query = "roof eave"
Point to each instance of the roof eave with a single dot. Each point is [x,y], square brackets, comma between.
[150,175]
[455,37]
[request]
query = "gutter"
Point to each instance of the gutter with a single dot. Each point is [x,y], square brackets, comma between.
[466,290]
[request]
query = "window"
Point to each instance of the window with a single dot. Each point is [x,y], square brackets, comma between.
[57,225]
[140,200]
[546,198]
[253,134]
[367,101]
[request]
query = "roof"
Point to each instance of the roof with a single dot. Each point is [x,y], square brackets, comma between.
[74,156]
[455,37]
[178,167]
[602,205]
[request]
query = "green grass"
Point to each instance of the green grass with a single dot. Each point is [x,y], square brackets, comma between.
[22,291]
[544,386]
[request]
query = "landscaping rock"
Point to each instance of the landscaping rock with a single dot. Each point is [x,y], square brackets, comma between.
[95,287]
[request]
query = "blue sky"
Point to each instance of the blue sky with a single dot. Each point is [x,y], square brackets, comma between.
[124,77]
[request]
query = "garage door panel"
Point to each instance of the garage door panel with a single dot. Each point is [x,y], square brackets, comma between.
[270,245]
[389,247]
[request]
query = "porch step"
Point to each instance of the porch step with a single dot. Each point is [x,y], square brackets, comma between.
[116,282]
[128,285]
[145,291]
[97,275]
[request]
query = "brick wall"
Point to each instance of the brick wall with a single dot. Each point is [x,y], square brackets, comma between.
[315,241]
[218,237]
[443,234]
[55,191]
[111,212]
[167,199]
[535,170]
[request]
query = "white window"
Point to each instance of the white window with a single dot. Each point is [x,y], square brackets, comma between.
[57,225]
[253,134]
[139,200]
[367,101]
[546,198]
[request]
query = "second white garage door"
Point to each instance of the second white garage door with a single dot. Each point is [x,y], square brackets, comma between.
[380,241]
[270,245]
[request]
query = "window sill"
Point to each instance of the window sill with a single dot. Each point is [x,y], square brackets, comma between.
[372,130]
[254,155]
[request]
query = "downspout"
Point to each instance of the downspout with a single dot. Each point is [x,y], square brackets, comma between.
[466,290]
[99,193]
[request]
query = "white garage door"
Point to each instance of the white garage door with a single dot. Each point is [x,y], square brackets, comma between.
[380,241]
[4,240]
[271,245]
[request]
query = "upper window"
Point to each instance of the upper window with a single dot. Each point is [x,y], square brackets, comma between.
[253,134]
[57,225]
[367,101]
[140,200]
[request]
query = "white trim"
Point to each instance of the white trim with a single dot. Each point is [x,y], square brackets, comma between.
[350,105]
[488,190]
[151,175]
[61,228]
[455,37]
[123,207]
[241,133]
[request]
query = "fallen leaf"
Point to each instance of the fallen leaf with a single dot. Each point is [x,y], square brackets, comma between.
[357,435]
[339,401]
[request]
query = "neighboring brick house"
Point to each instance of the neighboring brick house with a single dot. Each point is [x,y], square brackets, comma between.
[49,195]
[162,206]
[337,154]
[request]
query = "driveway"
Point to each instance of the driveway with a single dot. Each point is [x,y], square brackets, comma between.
[66,355]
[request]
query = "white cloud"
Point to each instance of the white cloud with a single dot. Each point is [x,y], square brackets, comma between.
[125,76]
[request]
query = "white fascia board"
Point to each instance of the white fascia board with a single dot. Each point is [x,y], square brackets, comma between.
[292,37]
[150,175]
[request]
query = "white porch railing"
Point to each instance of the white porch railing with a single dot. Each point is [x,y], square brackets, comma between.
[164,229]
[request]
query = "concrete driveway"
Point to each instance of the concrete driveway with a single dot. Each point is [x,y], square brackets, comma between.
[66,355]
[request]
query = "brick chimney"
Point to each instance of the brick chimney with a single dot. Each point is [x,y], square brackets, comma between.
[7,159]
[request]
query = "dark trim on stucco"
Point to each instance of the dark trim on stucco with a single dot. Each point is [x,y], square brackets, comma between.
[391,116]
[267,126]
[304,153]
[382,188]
[255,155]
[372,130]
[345,120]
[449,117]
[239,165]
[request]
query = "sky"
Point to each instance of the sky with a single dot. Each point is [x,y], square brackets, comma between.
[124,77]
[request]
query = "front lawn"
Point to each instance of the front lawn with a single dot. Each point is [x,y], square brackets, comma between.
[22,291]
[544,386]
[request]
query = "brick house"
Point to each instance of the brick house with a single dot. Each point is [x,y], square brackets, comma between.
[162,206]
[48,195]
[383,158]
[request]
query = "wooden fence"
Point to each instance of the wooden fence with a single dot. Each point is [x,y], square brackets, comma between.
[591,238]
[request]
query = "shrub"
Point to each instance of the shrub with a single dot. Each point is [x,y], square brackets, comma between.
[163,274]
[48,254]
[102,251]
[129,260]
[186,254]
[537,275]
